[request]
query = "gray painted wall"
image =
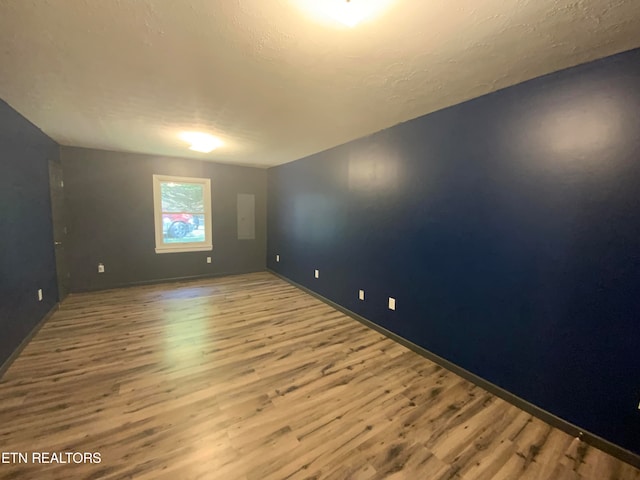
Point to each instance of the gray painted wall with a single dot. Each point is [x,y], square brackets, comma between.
[109,199]
[27,260]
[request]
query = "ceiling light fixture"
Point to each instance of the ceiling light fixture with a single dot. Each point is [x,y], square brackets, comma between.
[349,14]
[201,142]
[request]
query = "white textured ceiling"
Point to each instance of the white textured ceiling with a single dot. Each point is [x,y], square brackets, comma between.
[271,80]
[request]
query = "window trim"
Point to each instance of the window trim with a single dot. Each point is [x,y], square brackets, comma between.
[162,247]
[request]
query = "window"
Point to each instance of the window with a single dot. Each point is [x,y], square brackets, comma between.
[182,212]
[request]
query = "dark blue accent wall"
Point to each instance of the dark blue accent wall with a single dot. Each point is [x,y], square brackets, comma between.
[27,260]
[508,230]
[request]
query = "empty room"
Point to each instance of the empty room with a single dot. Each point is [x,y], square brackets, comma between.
[320,239]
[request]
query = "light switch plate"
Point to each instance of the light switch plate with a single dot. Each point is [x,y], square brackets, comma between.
[317,273]
[208,259]
[361,294]
[277,258]
[392,303]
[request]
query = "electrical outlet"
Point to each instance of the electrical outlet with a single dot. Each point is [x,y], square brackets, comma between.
[278,258]
[208,259]
[392,303]
[39,294]
[361,294]
[100,268]
[317,273]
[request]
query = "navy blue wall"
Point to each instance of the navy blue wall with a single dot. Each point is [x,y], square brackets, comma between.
[508,230]
[27,260]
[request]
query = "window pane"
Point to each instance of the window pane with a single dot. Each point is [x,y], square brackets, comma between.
[183,227]
[182,197]
[182,209]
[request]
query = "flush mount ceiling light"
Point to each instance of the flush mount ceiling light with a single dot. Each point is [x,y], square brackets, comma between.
[201,142]
[347,12]
[350,13]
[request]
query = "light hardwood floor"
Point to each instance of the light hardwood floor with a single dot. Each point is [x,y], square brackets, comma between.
[249,378]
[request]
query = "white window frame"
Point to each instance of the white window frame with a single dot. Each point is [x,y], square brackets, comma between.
[161,246]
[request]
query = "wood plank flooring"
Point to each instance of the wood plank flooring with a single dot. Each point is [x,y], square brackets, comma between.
[246,378]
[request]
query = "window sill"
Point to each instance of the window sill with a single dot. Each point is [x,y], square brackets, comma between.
[183,249]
